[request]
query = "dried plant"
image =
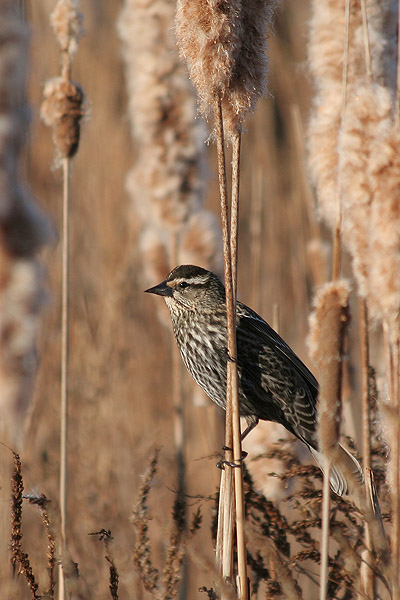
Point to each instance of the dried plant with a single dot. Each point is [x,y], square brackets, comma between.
[106,537]
[62,105]
[18,557]
[163,585]
[284,541]
[44,506]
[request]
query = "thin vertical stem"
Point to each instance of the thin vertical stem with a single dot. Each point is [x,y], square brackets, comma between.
[369,578]
[235,210]
[325,536]
[232,398]
[237,443]
[364,343]
[64,368]
[367,45]
[337,249]
[225,527]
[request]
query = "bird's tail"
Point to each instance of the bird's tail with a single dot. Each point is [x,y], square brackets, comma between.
[345,470]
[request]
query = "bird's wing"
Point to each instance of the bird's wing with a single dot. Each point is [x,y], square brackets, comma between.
[249,318]
[288,383]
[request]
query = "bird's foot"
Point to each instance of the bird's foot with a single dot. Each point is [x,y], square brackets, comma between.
[221,463]
[229,357]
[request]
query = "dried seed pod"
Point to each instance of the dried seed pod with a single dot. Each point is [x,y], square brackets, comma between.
[62,110]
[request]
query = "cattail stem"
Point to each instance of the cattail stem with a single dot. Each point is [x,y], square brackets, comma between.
[369,577]
[64,369]
[364,343]
[367,45]
[224,552]
[324,571]
[237,444]
[337,249]
[236,143]
[232,400]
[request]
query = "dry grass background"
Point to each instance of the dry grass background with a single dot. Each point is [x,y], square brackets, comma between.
[120,358]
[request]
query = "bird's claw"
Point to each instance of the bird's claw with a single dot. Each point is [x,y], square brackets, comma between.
[221,463]
[229,357]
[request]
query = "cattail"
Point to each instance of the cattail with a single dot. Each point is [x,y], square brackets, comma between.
[325,52]
[62,110]
[208,36]
[325,342]
[225,47]
[384,231]
[23,230]
[366,112]
[67,25]
[62,107]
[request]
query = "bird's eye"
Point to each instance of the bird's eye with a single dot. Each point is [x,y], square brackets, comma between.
[182,285]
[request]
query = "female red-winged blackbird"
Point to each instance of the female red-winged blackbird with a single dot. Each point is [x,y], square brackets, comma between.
[274,385]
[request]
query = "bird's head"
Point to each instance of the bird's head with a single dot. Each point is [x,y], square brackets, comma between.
[191,288]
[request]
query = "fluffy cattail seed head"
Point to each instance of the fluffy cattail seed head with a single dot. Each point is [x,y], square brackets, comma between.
[325,342]
[225,46]
[62,110]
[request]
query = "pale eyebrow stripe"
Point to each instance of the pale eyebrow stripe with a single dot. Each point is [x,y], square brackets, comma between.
[198,280]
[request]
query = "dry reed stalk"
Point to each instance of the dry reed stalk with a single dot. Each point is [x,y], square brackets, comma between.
[62,110]
[233,396]
[24,228]
[367,577]
[226,500]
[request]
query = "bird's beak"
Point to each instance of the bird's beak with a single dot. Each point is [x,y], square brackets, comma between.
[162,289]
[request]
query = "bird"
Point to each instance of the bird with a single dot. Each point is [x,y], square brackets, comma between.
[274,384]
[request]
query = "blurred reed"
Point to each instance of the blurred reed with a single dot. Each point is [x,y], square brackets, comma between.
[62,110]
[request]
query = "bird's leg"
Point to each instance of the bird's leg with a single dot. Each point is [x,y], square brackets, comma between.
[251,423]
